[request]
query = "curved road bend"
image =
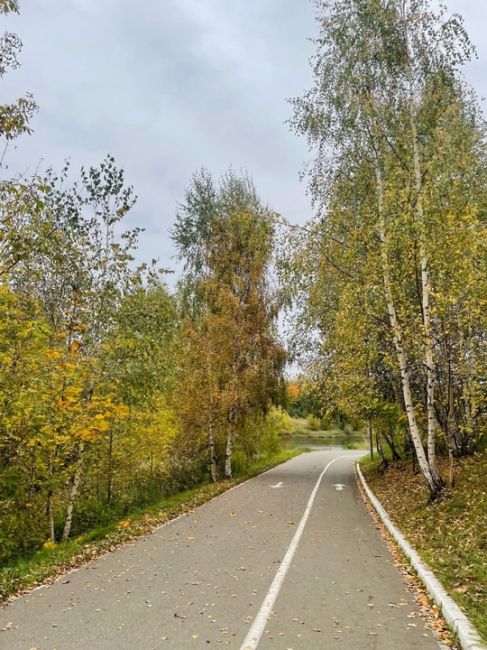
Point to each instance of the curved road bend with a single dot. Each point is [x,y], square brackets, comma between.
[201,580]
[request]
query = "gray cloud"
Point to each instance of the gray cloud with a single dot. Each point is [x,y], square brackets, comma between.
[168,86]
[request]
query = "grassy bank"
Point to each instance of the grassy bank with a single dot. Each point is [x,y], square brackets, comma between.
[450,534]
[312,428]
[49,562]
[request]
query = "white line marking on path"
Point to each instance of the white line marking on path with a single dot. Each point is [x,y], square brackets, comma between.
[277,485]
[339,486]
[260,621]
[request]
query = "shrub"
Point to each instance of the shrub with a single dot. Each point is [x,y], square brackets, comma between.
[314,423]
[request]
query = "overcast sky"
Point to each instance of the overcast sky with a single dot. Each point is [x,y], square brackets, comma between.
[169,86]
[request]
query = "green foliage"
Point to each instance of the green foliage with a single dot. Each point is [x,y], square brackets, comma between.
[388,283]
[8,6]
[303,399]
[88,515]
[14,117]
[314,423]
[230,360]
[108,383]
[96,366]
[87,351]
[261,436]
[46,562]
[193,225]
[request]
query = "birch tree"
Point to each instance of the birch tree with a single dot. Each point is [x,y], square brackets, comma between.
[376,67]
[225,236]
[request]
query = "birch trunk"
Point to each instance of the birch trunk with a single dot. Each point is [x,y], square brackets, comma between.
[424,266]
[449,429]
[463,442]
[425,298]
[398,342]
[228,455]
[49,506]
[110,467]
[371,442]
[50,518]
[211,442]
[73,493]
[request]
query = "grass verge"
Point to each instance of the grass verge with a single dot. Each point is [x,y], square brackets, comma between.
[451,533]
[302,428]
[45,565]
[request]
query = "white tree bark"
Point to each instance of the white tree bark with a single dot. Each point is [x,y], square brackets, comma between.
[50,518]
[398,340]
[73,493]
[49,506]
[425,297]
[426,289]
[213,464]
[228,454]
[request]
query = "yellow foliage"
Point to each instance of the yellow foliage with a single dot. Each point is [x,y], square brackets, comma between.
[74,347]
[121,410]
[102,425]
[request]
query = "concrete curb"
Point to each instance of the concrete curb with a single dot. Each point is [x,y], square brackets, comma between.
[468,636]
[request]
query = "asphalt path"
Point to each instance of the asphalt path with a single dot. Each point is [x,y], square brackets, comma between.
[290,560]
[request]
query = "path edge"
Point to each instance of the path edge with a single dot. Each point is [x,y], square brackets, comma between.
[468,636]
[64,569]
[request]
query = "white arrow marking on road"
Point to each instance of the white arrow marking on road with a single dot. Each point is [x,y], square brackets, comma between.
[339,486]
[277,485]
[260,622]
